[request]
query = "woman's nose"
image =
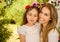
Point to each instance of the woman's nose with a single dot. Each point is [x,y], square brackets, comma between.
[41,16]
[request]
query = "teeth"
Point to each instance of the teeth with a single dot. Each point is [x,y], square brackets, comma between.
[41,19]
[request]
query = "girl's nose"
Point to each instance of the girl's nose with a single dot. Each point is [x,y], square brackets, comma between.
[32,17]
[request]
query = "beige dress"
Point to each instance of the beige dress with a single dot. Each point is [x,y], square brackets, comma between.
[31,33]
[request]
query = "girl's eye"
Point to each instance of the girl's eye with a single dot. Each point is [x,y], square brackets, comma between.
[35,15]
[46,14]
[30,14]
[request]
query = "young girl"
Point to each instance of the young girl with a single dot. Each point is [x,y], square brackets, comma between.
[29,31]
[48,19]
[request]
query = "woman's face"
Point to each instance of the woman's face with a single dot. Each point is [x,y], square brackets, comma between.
[32,16]
[44,15]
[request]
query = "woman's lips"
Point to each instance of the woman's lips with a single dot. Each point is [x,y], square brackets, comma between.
[41,19]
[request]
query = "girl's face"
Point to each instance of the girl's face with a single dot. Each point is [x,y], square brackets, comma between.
[32,16]
[44,15]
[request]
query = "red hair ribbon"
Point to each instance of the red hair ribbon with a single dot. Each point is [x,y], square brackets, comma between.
[27,7]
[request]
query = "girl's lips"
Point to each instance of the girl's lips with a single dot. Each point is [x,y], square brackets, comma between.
[32,20]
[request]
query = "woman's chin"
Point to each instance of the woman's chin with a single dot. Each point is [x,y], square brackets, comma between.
[41,22]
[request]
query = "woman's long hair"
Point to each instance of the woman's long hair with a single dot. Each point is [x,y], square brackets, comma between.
[52,23]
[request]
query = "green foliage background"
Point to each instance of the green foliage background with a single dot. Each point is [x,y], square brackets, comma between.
[16,10]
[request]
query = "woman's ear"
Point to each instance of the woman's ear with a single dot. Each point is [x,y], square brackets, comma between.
[50,19]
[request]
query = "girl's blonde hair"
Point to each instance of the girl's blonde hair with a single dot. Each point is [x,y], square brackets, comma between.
[52,23]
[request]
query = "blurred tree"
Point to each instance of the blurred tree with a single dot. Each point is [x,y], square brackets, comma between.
[43,1]
[5,33]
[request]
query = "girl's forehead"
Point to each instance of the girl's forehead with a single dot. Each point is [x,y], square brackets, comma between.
[33,10]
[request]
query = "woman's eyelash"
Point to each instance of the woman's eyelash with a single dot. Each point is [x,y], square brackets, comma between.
[46,14]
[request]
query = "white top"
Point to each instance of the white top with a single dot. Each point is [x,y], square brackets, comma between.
[31,33]
[53,36]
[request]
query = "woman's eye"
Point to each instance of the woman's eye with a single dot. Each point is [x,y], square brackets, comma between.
[46,14]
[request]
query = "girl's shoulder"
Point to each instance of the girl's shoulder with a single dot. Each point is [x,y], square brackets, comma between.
[21,30]
[22,27]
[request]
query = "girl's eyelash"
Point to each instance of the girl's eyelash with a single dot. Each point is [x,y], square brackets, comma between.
[29,13]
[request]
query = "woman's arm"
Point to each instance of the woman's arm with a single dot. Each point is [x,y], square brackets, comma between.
[22,38]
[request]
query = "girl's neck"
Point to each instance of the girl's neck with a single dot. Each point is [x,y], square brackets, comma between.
[29,24]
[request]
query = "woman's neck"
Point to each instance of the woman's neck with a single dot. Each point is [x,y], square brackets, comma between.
[44,25]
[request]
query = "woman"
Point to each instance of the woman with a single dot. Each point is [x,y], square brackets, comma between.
[48,19]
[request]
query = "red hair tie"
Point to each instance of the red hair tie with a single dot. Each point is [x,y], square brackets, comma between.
[27,7]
